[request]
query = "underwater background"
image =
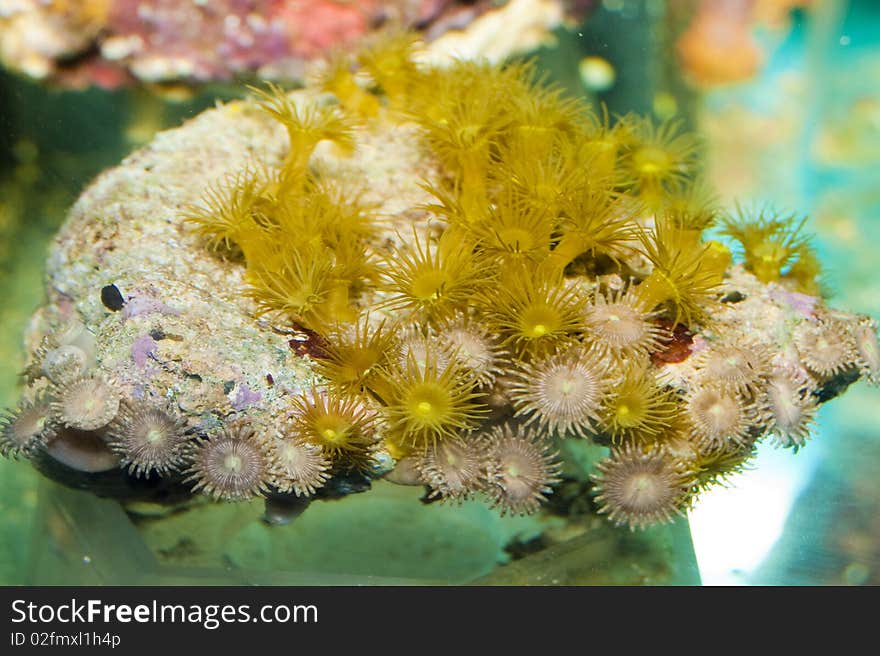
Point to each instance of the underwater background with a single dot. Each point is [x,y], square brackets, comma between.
[801,132]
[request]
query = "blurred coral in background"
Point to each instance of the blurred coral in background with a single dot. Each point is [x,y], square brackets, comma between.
[719,44]
[110,43]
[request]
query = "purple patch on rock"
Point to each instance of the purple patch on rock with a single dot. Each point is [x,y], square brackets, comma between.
[803,304]
[144,347]
[245,396]
[139,305]
[699,344]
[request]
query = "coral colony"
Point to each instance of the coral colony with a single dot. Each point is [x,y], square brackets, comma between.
[112,42]
[560,286]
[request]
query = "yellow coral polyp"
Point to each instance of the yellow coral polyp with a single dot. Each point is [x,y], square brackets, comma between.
[542,110]
[428,286]
[431,280]
[463,146]
[537,178]
[603,145]
[638,410]
[657,159]
[593,222]
[774,248]
[514,233]
[715,466]
[339,79]
[427,402]
[306,127]
[355,352]
[389,61]
[296,287]
[716,259]
[227,210]
[806,273]
[694,207]
[626,416]
[342,426]
[767,261]
[516,240]
[682,276]
[650,162]
[531,317]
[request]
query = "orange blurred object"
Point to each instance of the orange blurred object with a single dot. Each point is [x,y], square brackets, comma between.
[718,46]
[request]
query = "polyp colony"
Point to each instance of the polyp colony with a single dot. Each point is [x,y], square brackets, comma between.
[560,270]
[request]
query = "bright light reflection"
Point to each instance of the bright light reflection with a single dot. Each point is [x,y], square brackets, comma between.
[735,528]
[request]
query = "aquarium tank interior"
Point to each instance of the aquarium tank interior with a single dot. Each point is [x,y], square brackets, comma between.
[535,292]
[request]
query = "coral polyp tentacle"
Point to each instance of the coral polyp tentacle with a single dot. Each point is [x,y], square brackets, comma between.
[27,428]
[452,469]
[231,464]
[791,406]
[619,323]
[562,393]
[297,466]
[718,416]
[87,403]
[639,487]
[864,339]
[342,426]
[739,367]
[637,408]
[428,402]
[149,438]
[521,469]
[825,348]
